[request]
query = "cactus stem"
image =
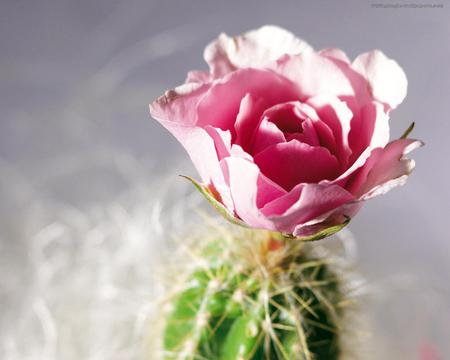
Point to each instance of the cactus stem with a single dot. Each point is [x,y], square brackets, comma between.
[256,297]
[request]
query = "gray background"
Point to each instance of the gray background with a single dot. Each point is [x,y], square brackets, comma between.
[76,78]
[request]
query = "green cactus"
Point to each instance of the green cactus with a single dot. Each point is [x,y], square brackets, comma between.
[262,300]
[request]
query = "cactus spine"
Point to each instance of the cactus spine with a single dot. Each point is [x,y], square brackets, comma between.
[256,298]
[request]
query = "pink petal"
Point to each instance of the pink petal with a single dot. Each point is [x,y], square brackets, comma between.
[292,163]
[247,120]
[388,83]
[220,105]
[250,189]
[336,114]
[372,126]
[315,74]
[200,145]
[353,178]
[287,116]
[308,135]
[238,151]
[291,120]
[343,179]
[304,203]
[197,76]
[333,217]
[179,105]
[390,169]
[267,191]
[266,135]
[336,54]
[369,129]
[252,49]
[281,205]
[222,141]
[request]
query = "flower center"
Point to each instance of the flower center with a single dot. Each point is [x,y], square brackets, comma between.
[287,146]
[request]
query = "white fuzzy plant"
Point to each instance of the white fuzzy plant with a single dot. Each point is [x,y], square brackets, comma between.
[95,279]
[90,283]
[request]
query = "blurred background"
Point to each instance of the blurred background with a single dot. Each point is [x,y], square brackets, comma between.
[88,182]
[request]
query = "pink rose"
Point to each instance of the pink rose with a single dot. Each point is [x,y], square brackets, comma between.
[286,138]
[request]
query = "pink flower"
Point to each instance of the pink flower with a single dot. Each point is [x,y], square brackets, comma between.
[286,138]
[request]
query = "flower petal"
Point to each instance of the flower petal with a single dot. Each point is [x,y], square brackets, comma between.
[249,189]
[252,49]
[220,105]
[336,54]
[266,135]
[337,116]
[180,104]
[292,120]
[292,163]
[204,147]
[305,203]
[198,76]
[222,141]
[388,83]
[316,74]
[308,135]
[390,169]
[337,217]
[247,120]
[369,129]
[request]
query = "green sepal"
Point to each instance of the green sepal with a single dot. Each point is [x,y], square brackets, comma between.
[322,233]
[408,131]
[216,204]
[228,216]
